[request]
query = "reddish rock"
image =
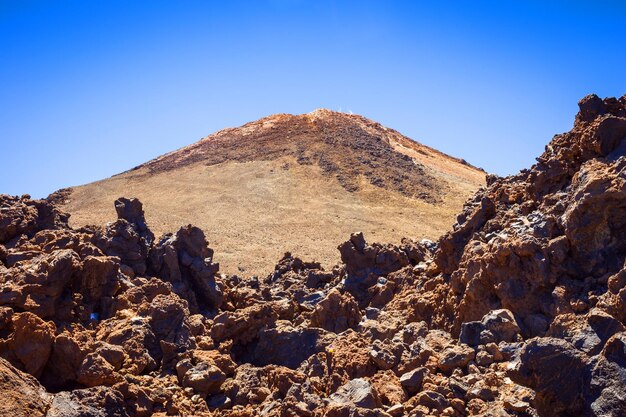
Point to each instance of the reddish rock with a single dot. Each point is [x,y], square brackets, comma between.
[202,377]
[23,216]
[336,312]
[186,261]
[530,284]
[22,396]
[95,370]
[362,259]
[455,357]
[30,344]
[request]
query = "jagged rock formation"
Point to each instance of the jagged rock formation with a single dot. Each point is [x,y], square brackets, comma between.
[306,181]
[518,311]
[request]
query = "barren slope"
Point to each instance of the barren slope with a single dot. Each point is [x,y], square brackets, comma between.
[285,182]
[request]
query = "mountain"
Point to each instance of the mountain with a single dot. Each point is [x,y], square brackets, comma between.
[519,310]
[298,183]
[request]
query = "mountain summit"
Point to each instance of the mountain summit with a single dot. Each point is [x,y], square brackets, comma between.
[290,182]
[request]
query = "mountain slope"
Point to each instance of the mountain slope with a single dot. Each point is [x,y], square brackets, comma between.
[290,182]
[518,311]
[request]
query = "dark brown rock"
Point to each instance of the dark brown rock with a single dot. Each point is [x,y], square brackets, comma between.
[186,261]
[287,346]
[362,259]
[202,377]
[93,402]
[412,381]
[22,396]
[23,216]
[336,312]
[556,371]
[495,326]
[455,357]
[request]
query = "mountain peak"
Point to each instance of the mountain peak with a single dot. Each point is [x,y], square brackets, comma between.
[319,176]
[323,112]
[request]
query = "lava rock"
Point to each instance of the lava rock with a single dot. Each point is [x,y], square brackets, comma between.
[358,392]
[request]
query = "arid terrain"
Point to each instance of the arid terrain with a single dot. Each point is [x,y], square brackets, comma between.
[290,183]
[518,310]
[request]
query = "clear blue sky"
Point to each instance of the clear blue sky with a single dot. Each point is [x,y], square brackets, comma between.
[92,88]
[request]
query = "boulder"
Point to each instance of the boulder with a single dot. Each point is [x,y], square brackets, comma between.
[95,370]
[92,402]
[432,400]
[385,355]
[588,332]
[412,381]
[454,357]
[357,393]
[203,378]
[186,261]
[39,287]
[556,370]
[131,210]
[23,216]
[30,344]
[336,312]
[606,395]
[287,346]
[22,396]
[495,326]
[362,259]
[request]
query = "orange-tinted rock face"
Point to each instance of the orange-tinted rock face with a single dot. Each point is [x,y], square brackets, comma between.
[545,241]
[22,396]
[518,311]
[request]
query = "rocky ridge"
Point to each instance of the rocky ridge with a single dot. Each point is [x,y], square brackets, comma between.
[518,311]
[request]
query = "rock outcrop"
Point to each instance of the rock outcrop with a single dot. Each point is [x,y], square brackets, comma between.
[520,310]
[22,395]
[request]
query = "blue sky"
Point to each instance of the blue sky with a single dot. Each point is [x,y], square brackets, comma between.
[92,88]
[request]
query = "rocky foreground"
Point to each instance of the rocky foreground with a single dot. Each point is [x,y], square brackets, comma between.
[519,311]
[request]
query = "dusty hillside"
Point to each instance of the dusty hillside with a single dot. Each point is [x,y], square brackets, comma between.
[291,183]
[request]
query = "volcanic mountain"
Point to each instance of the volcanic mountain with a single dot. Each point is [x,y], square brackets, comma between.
[290,182]
[518,311]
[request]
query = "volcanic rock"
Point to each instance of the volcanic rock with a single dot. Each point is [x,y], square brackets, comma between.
[287,346]
[412,381]
[185,260]
[23,216]
[22,396]
[455,357]
[203,378]
[495,326]
[96,402]
[358,392]
[336,312]
[556,371]
[520,310]
[363,260]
